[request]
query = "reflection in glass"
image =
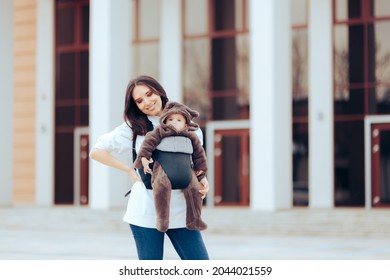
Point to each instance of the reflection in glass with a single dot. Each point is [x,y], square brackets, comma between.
[298,12]
[227,108]
[299,64]
[381,8]
[341,61]
[230,77]
[146,59]
[349,55]
[149,19]
[196,76]
[195,17]
[299,72]
[379,52]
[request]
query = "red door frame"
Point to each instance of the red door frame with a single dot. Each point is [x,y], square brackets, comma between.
[243,162]
[376,129]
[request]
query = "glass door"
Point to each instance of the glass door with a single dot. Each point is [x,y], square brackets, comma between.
[231,157]
[380,164]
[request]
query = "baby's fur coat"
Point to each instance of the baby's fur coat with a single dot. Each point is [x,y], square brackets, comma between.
[160,182]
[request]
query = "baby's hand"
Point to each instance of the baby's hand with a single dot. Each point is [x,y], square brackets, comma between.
[199,172]
[145,163]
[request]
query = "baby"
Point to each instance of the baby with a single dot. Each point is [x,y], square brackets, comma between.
[179,162]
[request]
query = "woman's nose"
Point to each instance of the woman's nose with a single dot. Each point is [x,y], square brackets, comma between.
[147,101]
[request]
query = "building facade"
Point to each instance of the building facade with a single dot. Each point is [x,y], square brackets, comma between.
[294,96]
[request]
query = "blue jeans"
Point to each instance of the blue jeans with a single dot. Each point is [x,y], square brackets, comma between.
[150,243]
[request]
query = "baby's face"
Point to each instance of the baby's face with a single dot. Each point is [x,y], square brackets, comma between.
[178,121]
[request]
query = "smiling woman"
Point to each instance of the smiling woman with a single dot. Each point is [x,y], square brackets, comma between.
[144,102]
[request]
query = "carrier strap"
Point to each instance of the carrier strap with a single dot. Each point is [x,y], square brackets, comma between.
[146,178]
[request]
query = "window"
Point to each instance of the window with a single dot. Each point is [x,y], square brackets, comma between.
[215,58]
[146,37]
[299,45]
[361,87]
[72,91]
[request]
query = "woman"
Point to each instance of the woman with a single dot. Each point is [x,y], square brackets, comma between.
[145,100]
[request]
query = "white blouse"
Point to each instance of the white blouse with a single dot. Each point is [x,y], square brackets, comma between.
[140,206]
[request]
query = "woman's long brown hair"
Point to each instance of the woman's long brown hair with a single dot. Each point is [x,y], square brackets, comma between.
[132,115]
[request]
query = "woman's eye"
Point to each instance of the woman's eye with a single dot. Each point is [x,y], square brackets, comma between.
[139,101]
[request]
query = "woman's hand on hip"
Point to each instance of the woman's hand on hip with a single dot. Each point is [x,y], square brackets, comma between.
[134,176]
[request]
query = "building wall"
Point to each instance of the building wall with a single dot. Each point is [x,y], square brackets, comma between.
[6,66]
[24,101]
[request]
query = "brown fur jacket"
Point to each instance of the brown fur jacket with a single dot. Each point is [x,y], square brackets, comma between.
[154,138]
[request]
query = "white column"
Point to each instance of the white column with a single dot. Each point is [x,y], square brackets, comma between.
[270,92]
[171,49]
[45,77]
[110,49]
[6,103]
[321,183]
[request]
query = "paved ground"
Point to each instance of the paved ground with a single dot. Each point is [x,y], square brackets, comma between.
[77,233]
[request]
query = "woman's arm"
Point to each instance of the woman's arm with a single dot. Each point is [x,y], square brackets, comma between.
[106,158]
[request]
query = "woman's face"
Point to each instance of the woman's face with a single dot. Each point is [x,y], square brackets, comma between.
[147,100]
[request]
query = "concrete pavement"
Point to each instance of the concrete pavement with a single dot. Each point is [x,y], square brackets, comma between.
[80,233]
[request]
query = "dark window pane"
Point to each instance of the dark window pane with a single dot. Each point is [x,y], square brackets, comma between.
[67,1]
[64,168]
[300,164]
[384,167]
[224,66]
[229,108]
[228,15]
[356,54]
[300,107]
[349,163]
[84,115]
[65,26]
[65,116]
[84,72]
[349,102]
[379,100]
[85,26]
[66,84]
[230,180]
